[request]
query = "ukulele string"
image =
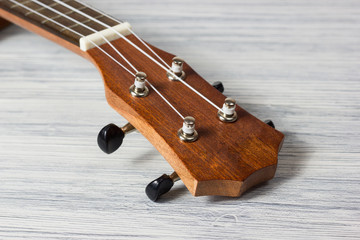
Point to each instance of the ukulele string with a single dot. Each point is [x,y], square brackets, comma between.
[106,25]
[91,29]
[73,31]
[139,49]
[87,27]
[97,46]
[157,91]
[129,29]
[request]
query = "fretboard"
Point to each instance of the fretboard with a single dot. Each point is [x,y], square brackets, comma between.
[42,20]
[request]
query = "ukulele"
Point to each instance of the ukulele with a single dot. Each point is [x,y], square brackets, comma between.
[214,146]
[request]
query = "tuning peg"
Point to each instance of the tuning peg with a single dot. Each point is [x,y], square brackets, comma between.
[176,69]
[228,113]
[219,86]
[111,137]
[270,123]
[161,186]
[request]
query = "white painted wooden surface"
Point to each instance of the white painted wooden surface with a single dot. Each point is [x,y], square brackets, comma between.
[296,62]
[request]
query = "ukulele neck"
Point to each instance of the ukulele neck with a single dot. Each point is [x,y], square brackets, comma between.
[70,23]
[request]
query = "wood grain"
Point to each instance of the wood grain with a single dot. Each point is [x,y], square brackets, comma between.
[294,62]
[31,26]
[72,20]
[226,160]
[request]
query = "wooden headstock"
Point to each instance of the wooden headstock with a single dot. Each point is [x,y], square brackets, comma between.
[227,159]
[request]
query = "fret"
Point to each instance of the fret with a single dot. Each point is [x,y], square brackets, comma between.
[24,2]
[66,13]
[71,21]
[43,8]
[83,22]
[104,19]
[93,13]
[24,12]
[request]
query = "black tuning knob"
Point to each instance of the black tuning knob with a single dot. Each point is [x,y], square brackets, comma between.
[160,186]
[270,123]
[111,137]
[219,86]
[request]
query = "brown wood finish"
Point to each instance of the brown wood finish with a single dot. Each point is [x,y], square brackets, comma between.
[227,159]
[53,28]
[42,32]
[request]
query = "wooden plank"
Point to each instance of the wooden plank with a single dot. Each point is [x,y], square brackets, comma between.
[294,62]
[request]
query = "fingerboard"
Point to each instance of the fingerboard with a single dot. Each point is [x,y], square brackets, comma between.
[48,25]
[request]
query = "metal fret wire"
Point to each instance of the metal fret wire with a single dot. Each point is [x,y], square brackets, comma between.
[81,35]
[142,51]
[132,32]
[51,5]
[71,30]
[85,26]
[67,13]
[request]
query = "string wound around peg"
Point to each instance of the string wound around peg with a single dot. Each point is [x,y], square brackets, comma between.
[139,89]
[228,113]
[176,69]
[188,133]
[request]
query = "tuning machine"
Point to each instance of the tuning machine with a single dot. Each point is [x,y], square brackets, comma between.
[219,86]
[161,185]
[111,137]
[270,123]
[176,70]
[138,89]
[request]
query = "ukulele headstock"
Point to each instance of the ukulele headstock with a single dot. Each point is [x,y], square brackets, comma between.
[227,158]
[220,149]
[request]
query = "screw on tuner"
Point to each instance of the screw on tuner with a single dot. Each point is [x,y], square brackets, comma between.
[111,137]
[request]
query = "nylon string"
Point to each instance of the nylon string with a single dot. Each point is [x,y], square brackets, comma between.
[139,49]
[71,30]
[97,46]
[85,26]
[130,30]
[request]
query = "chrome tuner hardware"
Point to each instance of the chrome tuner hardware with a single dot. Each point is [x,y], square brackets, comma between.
[138,89]
[111,137]
[227,113]
[161,185]
[177,69]
[188,133]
